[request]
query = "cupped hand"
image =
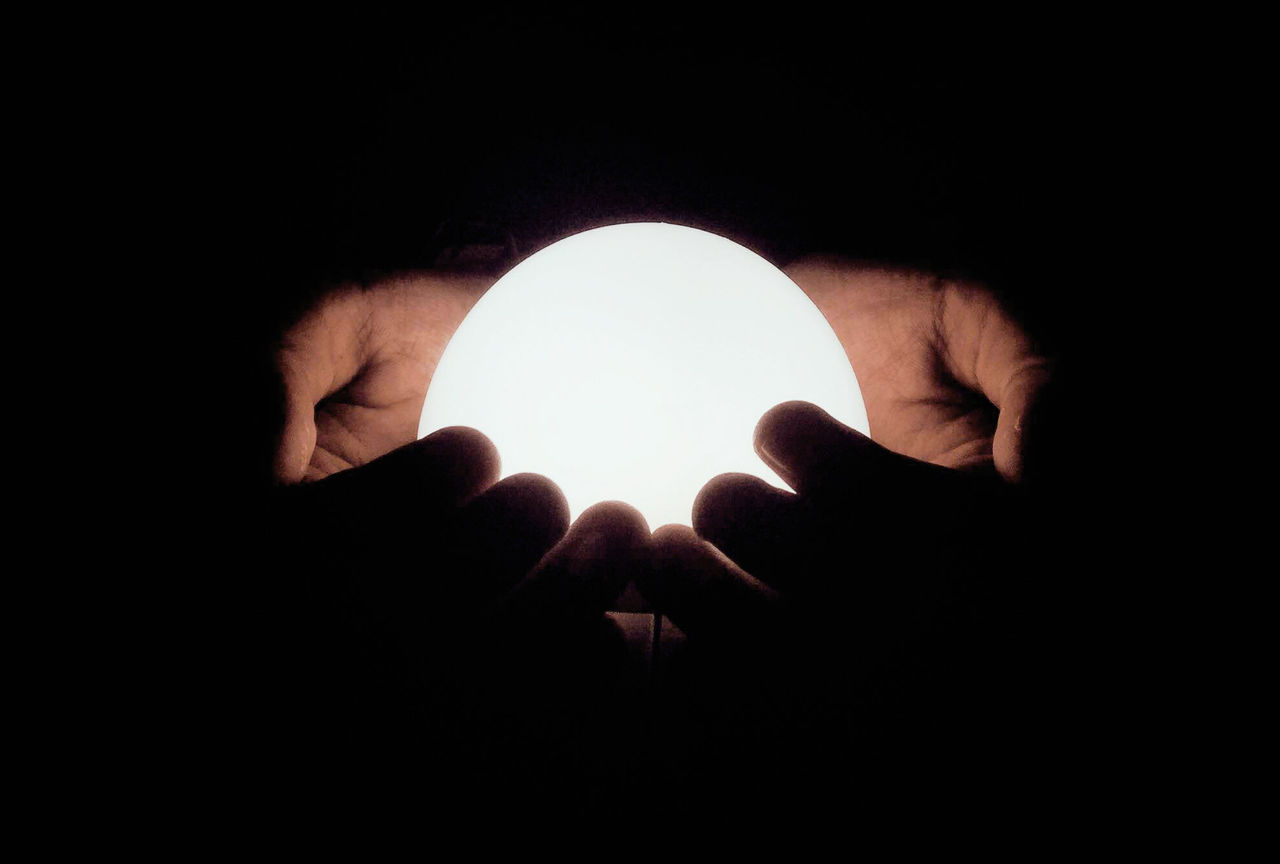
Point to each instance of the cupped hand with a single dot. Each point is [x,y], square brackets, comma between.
[865,551]
[423,599]
[947,375]
[355,369]
[856,617]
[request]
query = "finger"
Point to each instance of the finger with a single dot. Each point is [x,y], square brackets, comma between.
[758,526]
[1015,425]
[585,573]
[457,564]
[986,350]
[1041,438]
[704,593]
[822,459]
[316,358]
[297,438]
[502,534]
[429,476]
[811,450]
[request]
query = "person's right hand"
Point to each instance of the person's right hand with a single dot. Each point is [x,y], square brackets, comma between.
[428,612]
[355,369]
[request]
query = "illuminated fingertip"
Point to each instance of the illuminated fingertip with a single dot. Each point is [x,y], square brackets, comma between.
[535,497]
[615,520]
[674,533]
[472,443]
[784,423]
[723,496]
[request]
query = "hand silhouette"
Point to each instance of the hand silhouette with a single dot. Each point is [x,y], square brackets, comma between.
[430,618]
[861,624]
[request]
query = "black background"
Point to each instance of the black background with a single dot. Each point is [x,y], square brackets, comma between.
[794,133]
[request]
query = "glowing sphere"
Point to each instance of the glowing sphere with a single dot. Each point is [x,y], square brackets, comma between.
[632,363]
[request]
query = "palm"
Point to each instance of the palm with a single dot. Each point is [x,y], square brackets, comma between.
[935,359]
[371,416]
[358,366]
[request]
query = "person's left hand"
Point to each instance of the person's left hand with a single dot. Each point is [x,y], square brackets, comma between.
[947,374]
[857,541]
[821,620]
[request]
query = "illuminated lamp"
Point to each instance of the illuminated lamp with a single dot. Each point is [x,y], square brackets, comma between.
[632,363]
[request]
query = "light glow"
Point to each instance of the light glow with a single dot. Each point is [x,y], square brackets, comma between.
[632,363]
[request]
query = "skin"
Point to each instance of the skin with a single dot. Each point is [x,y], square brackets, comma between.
[862,626]
[357,366]
[429,617]
[430,526]
[947,376]
[758,556]
[445,576]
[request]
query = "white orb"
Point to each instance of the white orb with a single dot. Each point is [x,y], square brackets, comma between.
[632,363]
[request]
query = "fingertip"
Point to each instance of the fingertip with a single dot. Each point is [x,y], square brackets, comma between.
[1032,430]
[1006,451]
[807,447]
[702,590]
[462,461]
[726,501]
[1011,424]
[615,521]
[509,528]
[530,502]
[443,470]
[466,443]
[295,445]
[605,548]
[673,545]
[785,418]
[790,434]
[785,415]
[674,534]
[288,468]
[753,523]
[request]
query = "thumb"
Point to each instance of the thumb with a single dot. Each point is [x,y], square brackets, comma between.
[1017,425]
[818,456]
[986,350]
[317,357]
[296,441]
